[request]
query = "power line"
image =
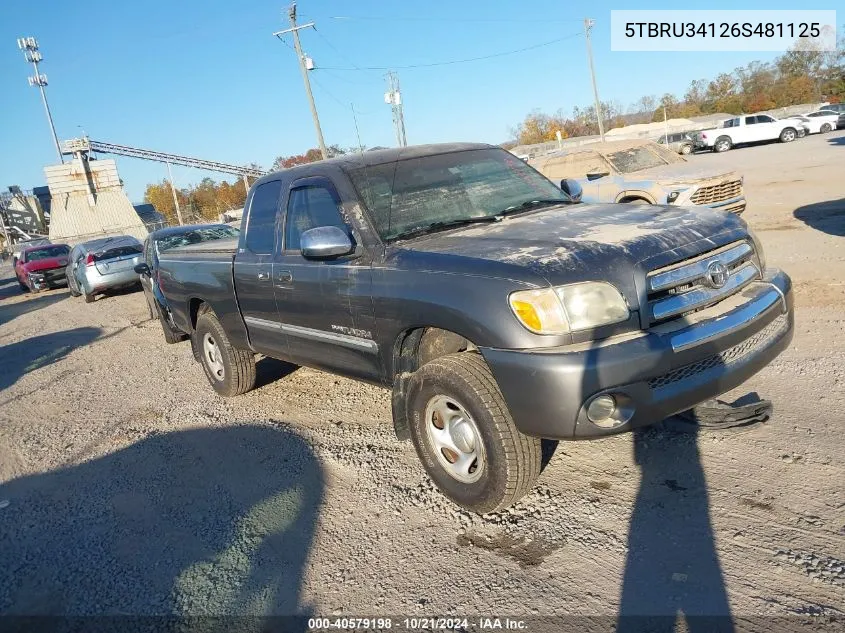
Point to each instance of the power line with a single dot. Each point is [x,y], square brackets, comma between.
[449,19]
[461,61]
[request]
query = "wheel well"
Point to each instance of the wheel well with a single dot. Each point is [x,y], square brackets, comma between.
[413,349]
[634,199]
[195,307]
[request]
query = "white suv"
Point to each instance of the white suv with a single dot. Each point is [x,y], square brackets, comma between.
[751,128]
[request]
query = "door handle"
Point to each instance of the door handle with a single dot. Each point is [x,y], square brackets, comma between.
[263,276]
[285,276]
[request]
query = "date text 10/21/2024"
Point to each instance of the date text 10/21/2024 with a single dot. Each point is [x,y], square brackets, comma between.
[416,624]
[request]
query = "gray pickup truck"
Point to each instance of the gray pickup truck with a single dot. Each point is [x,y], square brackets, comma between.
[497,310]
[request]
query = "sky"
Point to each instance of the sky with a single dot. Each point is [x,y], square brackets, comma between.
[206,78]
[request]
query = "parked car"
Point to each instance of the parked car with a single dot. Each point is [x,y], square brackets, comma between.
[42,267]
[839,108]
[496,310]
[19,246]
[643,171]
[752,128]
[106,263]
[821,121]
[159,242]
[681,142]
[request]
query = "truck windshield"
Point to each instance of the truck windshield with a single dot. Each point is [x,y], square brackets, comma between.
[445,190]
[633,159]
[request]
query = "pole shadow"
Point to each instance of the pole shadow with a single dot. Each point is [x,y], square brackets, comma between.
[199,522]
[672,568]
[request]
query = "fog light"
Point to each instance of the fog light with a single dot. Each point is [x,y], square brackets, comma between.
[600,411]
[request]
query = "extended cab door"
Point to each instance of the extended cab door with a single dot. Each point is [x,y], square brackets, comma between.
[253,272]
[324,306]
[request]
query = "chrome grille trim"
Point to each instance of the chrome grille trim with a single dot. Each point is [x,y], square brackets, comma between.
[717,193]
[701,296]
[761,339]
[690,271]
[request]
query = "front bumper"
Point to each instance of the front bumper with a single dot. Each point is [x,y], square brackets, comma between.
[655,374]
[47,279]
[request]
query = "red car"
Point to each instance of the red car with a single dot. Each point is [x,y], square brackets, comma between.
[41,267]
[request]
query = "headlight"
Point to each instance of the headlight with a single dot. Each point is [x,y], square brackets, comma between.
[563,309]
[758,248]
[36,276]
[673,195]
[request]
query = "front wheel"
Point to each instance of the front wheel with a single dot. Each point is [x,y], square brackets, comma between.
[229,370]
[788,135]
[825,128]
[686,149]
[465,436]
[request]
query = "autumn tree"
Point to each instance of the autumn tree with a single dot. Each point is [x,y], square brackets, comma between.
[311,156]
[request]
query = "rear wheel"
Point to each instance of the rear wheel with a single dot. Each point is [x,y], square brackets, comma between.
[230,371]
[686,149]
[722,144]
[825,128]
[788,135]
[73,291]
[465,437]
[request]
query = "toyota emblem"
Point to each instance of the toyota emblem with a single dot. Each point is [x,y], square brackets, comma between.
[717,274]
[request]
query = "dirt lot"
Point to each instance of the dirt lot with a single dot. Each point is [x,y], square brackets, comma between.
[128,487]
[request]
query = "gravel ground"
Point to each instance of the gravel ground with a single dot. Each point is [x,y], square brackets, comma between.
[128,487]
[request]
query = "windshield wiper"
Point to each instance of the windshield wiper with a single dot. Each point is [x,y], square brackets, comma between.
[448,224]
[532,204]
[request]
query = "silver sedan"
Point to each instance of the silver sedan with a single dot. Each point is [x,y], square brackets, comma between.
[103,264]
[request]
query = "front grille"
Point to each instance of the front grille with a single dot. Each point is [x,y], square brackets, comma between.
[717,193]
[686,287]
[768,334]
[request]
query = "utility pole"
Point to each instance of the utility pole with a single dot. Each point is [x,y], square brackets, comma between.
[302,67]
[175,197]
[665,125]
[29,46]
[394,97]
[588,25]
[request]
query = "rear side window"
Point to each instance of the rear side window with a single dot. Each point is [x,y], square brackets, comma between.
[308,208]
[261,227]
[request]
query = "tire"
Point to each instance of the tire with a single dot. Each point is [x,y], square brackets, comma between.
[170,336]
[507,463]
[825,128]
[23,286]
[73,292]
[722,144]
[88,298]
[686,149]
[230,371]
[788,135]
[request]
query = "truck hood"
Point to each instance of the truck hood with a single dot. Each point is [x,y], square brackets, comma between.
[46,264]
[682,173]
[565,244]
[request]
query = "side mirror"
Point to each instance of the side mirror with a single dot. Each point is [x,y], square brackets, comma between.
[325,241]
[595,175]
[142,269]
[572,188]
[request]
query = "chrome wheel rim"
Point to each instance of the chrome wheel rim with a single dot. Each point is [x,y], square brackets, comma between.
[788,136]
[213,357]
[722,146]
[455,438]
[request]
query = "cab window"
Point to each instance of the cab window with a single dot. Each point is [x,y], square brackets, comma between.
[309,207]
